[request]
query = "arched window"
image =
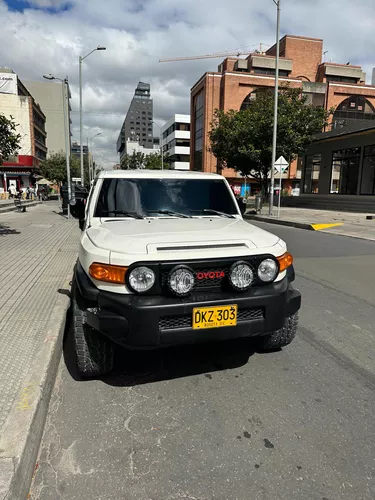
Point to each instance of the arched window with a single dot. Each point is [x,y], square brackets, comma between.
[252,97]
[354,108]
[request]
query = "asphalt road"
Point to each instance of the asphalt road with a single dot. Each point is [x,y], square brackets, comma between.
[221,422]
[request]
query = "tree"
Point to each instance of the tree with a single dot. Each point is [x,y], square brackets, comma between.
[10,141]
[140,160]
[242,140]
[54,168]
[153,162]
[133,161]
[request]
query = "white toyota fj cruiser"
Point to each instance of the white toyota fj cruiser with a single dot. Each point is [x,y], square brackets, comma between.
[165,258]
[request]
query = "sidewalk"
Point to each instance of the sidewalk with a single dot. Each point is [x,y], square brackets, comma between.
[350,224]
[38,250]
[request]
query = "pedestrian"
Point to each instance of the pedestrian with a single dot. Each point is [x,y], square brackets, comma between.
[12,191]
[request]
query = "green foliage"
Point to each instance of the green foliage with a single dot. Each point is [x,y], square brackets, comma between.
[139,160]
[10,141]
[242,140]
[153,162]
[54,168]
[133,161]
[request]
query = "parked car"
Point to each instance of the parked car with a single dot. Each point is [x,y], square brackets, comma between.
[165,258]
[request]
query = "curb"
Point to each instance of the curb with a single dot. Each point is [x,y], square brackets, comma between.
[13,208]
[23,430]
[280,222]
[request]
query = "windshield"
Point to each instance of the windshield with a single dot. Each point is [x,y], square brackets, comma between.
[161,197]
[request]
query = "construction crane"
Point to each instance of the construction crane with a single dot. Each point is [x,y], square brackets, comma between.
[214,56]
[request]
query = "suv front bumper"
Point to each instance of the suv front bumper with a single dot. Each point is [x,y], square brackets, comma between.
[147,322]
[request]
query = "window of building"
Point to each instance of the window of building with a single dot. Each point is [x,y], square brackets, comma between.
[183,142]
[183,126]
[270,71]
[250,98]
[198,135]
[311,173]
[354,108]
[345,171]
[346,79]
[368,171]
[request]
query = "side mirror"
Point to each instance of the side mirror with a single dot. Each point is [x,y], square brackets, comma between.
[242,206]
[77,210]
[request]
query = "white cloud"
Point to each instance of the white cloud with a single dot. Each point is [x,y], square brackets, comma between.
[137,33]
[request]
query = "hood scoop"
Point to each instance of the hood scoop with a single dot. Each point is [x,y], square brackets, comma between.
[200,247]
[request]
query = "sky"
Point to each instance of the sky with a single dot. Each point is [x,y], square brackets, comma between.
[48,36]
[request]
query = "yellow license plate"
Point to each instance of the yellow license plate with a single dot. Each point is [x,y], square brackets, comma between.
[214,317]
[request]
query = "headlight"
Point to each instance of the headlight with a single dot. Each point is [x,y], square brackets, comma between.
[267,270]
[181,280]
[241,276]
[141,279]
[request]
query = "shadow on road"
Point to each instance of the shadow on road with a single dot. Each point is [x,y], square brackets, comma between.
[144,367]
[4,230]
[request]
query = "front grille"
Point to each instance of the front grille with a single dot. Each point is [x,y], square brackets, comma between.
[215,266]
[204,283]
[185,321]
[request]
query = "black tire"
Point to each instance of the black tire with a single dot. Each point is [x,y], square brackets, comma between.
[94,353]
[282,337]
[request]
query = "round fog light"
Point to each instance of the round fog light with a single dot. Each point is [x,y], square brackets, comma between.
[241,276]
[181,280]
[141,279]
[267,270]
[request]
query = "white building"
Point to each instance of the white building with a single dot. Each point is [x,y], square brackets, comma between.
[50,98]
[176,141]
[132,146]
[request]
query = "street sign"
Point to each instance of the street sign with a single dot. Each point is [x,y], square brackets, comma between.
[281,165]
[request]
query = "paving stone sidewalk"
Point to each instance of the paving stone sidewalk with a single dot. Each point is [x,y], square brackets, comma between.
[38,250]
[329,221]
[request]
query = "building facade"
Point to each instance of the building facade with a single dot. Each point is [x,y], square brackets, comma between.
[176,142]
[49,96]
[237,80]
[17,102]
[138,123]
[136,147]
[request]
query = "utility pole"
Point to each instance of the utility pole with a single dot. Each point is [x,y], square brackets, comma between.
[274,141]
[81,120]
[65,91]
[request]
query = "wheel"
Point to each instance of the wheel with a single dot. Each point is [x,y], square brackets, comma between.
[94,353]
[282,337]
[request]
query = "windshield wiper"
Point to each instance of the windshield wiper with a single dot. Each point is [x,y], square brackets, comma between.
[216,212]
[169,212]
[134,215]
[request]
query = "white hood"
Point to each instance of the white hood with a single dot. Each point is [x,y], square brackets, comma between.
[163,236]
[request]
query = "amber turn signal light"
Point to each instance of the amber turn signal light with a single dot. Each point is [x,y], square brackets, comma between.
[108,273]
[285,261]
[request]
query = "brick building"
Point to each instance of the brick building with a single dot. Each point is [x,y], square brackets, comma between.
[234,85]
[17,102]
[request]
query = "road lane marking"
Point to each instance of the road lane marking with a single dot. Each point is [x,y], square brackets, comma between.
[319,227]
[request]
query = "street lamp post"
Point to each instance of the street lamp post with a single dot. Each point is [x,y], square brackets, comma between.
[91,163]
[65,96]
[161,145]
[80,59]
[274,141]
